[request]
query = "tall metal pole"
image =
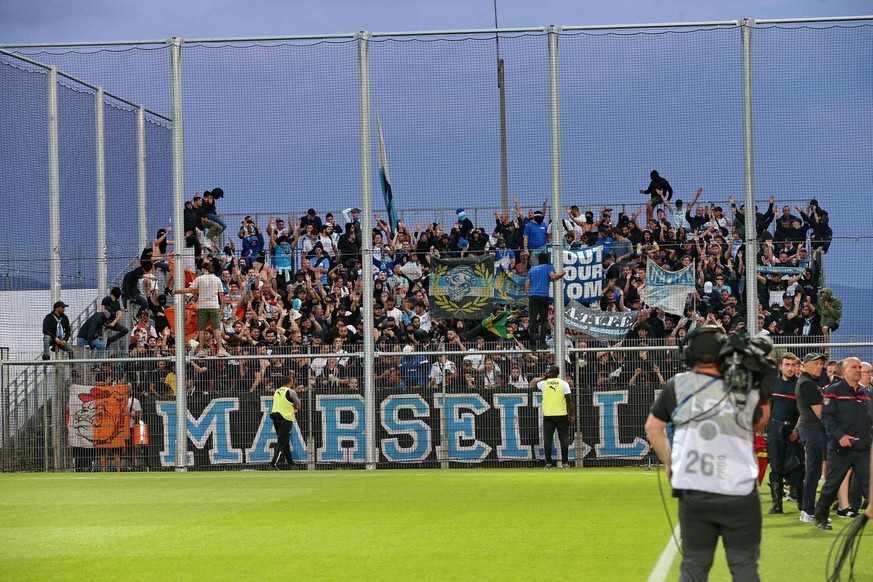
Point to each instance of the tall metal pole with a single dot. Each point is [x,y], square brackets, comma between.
[557,234]
[54,187]
[55,267]
[501,86]
[100,159]
[367,249]
[751,235]
[141,191]
[179,272]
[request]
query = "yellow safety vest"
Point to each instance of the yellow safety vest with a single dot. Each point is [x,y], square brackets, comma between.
[554,402]
[281,404]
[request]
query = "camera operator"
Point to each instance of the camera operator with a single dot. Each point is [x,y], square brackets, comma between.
[711,462]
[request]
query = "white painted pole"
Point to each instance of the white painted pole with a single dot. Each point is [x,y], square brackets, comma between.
[367,249]
[100,159]
[54,187]
[557,230]
[751,234]
[141,183]
[179,272]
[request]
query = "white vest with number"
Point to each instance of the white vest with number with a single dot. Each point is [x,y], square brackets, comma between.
[713,438]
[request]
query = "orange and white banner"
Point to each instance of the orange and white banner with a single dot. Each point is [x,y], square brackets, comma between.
[99,416]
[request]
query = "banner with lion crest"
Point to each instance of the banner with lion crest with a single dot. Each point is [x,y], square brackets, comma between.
[462,288]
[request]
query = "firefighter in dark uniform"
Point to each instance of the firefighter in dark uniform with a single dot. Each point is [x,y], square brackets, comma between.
[846,418]
[711,461]
[812,434]
[285,404]
[784,451]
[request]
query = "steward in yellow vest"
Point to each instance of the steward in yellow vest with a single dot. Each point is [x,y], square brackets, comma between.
[558,413]
[285,403]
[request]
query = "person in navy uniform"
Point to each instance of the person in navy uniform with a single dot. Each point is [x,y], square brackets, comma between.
[784,451]
[846,418]
[711,461]
[809,426]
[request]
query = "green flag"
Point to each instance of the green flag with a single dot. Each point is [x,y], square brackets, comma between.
[496,323]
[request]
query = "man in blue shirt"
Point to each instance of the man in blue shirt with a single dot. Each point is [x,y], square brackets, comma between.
[536,236]
[536,286]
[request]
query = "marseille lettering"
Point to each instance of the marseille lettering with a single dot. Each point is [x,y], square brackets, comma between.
[462,429]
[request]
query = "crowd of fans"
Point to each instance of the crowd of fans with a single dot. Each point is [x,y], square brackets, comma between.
[296,287]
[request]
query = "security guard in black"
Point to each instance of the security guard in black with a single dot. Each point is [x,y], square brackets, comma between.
[784,451]
[845,415]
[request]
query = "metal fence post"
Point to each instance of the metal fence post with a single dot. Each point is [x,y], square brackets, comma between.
[367,249]
[179,273]
[751,234]
[557,234]
[100,157]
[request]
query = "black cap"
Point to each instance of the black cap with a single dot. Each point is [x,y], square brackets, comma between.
[59,304]
[116,291]
[814,356]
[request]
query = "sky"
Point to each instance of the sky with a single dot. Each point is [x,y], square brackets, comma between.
[48,21]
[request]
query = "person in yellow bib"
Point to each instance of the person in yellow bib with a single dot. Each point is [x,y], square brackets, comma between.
[558,413]
[285,404]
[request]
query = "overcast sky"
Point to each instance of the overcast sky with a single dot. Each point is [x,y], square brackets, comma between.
[44,21]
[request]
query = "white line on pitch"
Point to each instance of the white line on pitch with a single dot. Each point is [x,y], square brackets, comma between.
[662,568]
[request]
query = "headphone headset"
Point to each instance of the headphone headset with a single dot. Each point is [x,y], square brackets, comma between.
[701,341]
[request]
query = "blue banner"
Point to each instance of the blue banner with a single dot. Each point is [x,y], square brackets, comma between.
[658,277]
[509,289]
[668,290]
[584,279]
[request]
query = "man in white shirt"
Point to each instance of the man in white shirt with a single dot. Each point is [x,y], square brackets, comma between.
[209,291]
[442,372]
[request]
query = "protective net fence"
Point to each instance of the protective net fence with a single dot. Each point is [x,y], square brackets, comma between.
[471,187]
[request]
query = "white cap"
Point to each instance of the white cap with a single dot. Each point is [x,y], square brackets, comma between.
[707,287]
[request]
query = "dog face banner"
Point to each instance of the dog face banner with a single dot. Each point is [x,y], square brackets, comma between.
[99,416]
[462,288]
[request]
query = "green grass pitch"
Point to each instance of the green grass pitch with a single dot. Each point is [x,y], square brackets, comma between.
[497,524]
